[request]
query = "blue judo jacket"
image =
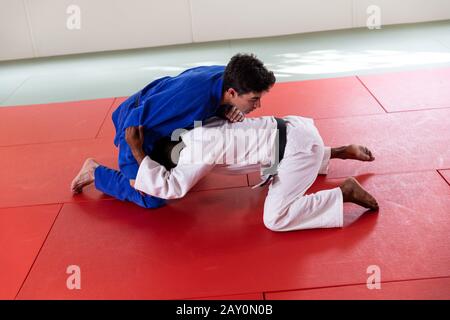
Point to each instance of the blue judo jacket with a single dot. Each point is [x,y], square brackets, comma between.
[164,105]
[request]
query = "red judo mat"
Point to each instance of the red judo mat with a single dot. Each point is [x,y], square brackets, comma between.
[212,243]
[434,289]
[53,122]
[22,234]
[222,247]
[446,175]
[410,90]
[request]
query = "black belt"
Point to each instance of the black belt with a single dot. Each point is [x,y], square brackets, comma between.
[280,146]
[281,127]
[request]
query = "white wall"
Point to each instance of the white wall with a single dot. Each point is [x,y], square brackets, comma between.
[234,19]
[402,11]
[37,28]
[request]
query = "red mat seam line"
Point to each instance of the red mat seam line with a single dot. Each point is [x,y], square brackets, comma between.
[248,181]
[226,294]
[383,173]
[40,249]
[386,114]
[193,191]
[351,116]
[370,92]
[107,199]
[50,142]
[375,114]
[316,79]
[111,138]
[226,188]
[54,102]
[357,284]
[424,109]
[33,205]
[316,119]
[439,172]
[90,200]
[214,189]
[59,202]
[106,116]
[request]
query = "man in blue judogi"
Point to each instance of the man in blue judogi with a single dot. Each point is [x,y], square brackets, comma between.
[171,103]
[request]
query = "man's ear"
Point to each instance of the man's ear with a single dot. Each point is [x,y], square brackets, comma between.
[232,93]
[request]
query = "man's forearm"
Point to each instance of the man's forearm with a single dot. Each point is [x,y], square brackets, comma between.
[138,154]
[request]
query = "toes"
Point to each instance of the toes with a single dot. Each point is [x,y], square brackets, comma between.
[373,203]
[369,153]
[75,189]
[77,185]
[372,206]
[73,186]
[84,177]
[366,154]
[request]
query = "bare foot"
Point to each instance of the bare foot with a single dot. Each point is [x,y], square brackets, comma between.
[353,192]
[357,152]
[85,177]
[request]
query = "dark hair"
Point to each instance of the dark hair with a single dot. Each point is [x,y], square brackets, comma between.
[245,73]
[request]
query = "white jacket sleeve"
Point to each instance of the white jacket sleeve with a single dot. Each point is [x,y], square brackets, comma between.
[153,178]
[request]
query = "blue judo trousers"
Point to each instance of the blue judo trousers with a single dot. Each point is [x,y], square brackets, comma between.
[164,105]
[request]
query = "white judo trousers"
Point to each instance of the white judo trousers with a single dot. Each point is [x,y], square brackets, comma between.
[286,207]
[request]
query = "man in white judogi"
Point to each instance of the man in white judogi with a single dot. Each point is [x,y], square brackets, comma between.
[248,146]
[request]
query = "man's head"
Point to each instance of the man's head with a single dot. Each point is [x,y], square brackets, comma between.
[245,81]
